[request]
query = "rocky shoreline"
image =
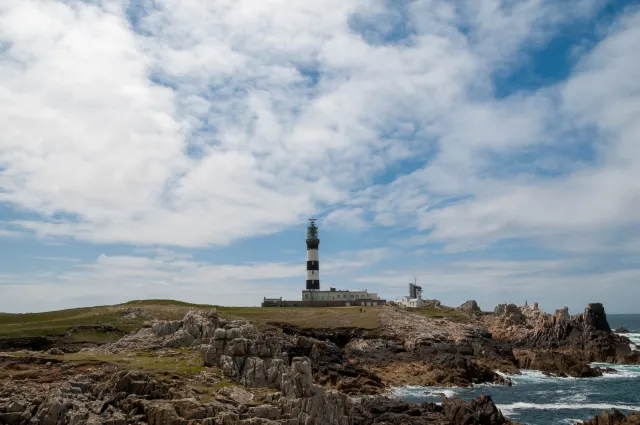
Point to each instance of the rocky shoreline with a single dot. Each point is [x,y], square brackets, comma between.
[207,370]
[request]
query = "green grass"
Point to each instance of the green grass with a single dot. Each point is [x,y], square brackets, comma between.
[307,317]
[57,322]
[100,337]
[187,364]
[444,313]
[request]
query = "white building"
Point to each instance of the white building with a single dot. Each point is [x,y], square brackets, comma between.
[355,298]
[414,299]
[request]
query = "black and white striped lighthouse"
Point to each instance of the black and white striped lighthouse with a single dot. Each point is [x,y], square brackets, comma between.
[313,263]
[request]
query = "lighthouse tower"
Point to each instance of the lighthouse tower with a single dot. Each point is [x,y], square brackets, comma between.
[313,263]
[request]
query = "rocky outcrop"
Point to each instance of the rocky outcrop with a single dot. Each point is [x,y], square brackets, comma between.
[556,363]
[382,410]
[470,307]
[193,329]
[332,368]
[614,417]
[120,397]
[595,317]
[247,356]
[561,344]
[426,351]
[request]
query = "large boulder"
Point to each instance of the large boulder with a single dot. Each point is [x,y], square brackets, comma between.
[452,411]
[595,317]
[471,307]
[481,411]
[246,355]
[196,326]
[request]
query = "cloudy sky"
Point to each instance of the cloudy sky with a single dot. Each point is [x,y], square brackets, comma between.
[175,149]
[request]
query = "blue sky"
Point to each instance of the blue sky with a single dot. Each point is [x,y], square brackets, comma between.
[175,149]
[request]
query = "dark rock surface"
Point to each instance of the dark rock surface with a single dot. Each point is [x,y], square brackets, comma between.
[561,344]
[382,410]
[36,343]
[614,417]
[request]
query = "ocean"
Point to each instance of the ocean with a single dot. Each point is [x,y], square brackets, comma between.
[536,399]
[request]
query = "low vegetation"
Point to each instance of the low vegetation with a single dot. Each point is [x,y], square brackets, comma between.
[441,313]
[177,362]
[56,323]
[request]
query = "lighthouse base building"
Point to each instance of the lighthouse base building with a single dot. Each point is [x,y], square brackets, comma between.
[330,298]
[312,296]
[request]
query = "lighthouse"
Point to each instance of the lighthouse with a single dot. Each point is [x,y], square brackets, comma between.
[313,263]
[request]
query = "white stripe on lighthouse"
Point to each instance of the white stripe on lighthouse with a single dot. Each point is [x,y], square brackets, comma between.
[312,255]
[313,274]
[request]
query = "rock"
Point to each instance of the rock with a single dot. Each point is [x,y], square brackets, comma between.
[180,338]
[470,307]
[246,356]
[614,417]
[163,327]
[585,337]
[595,316]
[621,331]
[481,411]
[133,312]
[238,394]
[431,303]
[555,363]
[452,411]
[196,326]
[55,351]
[201,325]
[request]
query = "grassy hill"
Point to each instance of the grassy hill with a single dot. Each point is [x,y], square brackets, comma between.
[58,322]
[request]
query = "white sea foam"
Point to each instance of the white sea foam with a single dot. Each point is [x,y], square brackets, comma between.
[635,340]
[622,370]
[512,408]
[532,377]
[418,391]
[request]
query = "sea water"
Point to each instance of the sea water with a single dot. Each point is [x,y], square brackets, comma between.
[536,399]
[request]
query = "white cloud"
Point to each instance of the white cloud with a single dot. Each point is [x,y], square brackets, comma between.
[198,125]
[347,218]
[91,135]
[167,274]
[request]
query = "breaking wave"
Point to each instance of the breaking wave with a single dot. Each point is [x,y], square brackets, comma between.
[539,399]
[510,409]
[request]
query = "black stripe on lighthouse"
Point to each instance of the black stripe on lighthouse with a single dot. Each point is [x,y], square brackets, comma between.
[313,265]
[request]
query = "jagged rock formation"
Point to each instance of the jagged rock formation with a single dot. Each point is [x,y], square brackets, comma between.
[424,351]
[102,394]
[614,417]
[381,410]
[105,396]
[196,326]
[470,307]
[246,355]
[559,343]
